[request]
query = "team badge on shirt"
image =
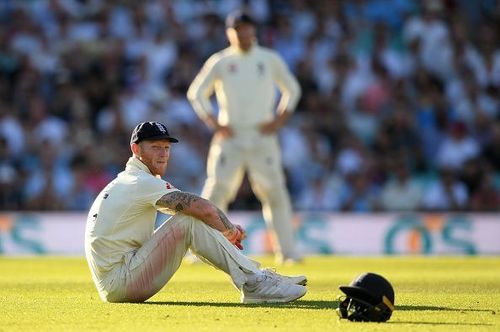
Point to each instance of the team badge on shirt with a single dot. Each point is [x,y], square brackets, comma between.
[232,68]
[261,69]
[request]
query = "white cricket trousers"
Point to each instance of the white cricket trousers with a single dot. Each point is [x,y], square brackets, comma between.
[260,156]
[146,270]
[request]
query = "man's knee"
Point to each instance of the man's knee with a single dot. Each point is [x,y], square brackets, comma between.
[273,195]
[218,193]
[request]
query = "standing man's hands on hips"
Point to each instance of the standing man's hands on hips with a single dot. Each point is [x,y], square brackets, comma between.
[269,128]
[272,127]
[223,132]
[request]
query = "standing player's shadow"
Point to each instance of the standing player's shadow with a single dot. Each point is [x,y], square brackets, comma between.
[301,304]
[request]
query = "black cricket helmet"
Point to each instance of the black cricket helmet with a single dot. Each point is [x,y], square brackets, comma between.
[368,298]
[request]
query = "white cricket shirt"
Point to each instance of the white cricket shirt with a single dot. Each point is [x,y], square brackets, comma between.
[245,86]
[122,218]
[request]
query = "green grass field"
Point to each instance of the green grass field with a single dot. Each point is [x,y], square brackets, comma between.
[432,294]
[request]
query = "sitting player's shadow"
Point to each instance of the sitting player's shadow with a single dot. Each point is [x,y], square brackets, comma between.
[301,304]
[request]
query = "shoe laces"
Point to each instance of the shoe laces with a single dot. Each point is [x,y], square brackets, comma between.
[271,272]
[272,277]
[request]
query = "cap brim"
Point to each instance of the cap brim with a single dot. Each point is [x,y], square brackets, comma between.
[355,292]
[156,138]
[238,24]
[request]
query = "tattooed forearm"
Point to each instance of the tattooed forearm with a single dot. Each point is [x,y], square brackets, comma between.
[195,206]
[177,201]
[224,220]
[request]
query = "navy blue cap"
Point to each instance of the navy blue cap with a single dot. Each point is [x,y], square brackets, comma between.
[238,17]
[151,131]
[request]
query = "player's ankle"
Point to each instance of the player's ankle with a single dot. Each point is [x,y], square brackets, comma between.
[252,277]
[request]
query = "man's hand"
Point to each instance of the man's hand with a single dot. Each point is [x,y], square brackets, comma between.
[223,132]
[273,126]
[235,236]
[220,131]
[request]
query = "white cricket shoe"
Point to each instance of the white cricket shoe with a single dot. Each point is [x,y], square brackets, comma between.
[268,288]
[298,280]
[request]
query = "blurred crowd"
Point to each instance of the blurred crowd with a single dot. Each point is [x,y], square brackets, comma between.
[400,108]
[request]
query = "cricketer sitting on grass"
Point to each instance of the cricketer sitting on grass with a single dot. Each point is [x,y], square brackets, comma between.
[130,261]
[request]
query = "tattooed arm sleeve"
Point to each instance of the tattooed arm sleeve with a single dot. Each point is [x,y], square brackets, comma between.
[195,206]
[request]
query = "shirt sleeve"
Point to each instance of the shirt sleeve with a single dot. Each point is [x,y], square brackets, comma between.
[202,88]
[152,189]
[287,83]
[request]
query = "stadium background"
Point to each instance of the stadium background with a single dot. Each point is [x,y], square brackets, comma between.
[400,113]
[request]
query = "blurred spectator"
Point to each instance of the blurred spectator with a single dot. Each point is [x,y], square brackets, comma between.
[358,193]
[80,196]
[352,156]
[433,34]
[401,192]
[446,193]
[472,174]
[457,147]
[363,122]
[49,182]
[487,196]
[491,150]
[11,130]
[322,195]
[10,184]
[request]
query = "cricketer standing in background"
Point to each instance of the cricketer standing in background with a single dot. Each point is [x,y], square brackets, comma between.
[130,261]
[244,77]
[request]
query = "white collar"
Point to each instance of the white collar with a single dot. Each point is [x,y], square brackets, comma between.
[135,163]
